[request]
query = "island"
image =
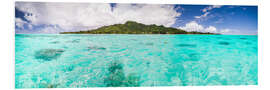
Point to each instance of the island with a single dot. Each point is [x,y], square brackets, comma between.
[132,27]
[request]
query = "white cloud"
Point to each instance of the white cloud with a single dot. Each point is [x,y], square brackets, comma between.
[30,26]
[206,11]
[211,29]
[192,26]
[204,15]
[52,29]
[225,30]
[211,7]
[19,23]
[88,16]
[230,31]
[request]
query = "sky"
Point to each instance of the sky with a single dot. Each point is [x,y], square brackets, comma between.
[53,17]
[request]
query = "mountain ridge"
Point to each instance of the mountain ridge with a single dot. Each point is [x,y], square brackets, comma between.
[132,27]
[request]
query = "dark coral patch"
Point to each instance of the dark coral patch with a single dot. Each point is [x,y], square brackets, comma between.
[115,66]
[187,45]
[68,68]
[150,44]
[48,54]
[96,48]
[55,42]
[116,75]
[117,78]
[248,43]
[243,38]
[224,43]
[132,80]
[75,41]
[134,39]
[193,57]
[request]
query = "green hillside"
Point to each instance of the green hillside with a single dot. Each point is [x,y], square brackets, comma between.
[131,27]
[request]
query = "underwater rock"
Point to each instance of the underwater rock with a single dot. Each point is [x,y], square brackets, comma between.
[116,75]
[68,68]
[147,63]
[150,44]
[134,39]
[55,42]
[224,43]
[243,38]
[165,42]
[48,54]
[48,85]
[193,57]
[52,86]
[75,41]
[65,47]
[96,48]
[187,45]
[117,78]
[115,66]
[248,43]
[132,80]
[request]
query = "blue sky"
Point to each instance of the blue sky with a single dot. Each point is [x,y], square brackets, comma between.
[33,18]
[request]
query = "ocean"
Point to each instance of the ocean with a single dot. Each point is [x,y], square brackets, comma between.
[123,60]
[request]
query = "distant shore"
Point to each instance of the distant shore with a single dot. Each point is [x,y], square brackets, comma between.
[132,27]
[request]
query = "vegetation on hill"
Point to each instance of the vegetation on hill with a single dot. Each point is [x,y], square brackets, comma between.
[131,27]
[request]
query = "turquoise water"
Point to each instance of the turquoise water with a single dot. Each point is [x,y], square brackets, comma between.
[68,61]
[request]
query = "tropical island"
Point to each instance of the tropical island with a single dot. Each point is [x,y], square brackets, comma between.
[132,27]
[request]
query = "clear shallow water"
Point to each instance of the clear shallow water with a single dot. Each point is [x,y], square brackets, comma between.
[67,61]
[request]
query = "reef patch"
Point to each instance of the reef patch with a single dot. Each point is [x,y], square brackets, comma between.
[149,44]
[48,54]
[75,41]
[243,38]
[54,42]
[96,48]
[193,57]
[224,43]
[117,78]
[187,45]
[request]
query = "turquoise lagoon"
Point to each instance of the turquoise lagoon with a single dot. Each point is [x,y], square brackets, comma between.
[79,60]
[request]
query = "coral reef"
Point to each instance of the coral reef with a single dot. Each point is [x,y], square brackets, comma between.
[117,78]
[48,54]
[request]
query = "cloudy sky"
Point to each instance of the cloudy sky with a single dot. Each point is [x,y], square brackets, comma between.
[43,18]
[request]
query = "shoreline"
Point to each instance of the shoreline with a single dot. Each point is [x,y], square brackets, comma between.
[130,34]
